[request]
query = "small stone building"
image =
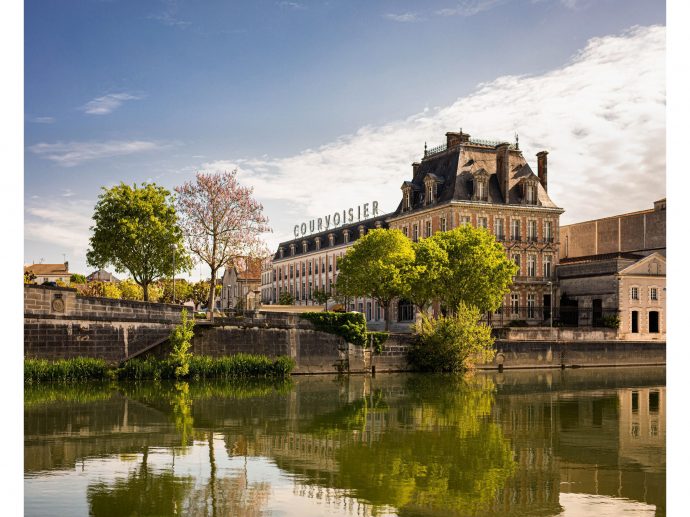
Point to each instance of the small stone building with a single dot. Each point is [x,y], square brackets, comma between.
[50,273]
[241,284]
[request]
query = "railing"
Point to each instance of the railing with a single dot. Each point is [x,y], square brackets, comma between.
[564,316]
[490,143]
[434,150]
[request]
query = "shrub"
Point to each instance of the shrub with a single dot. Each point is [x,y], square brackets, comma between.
[349,325]
[611,321]
[181,341]
[65,370]
[377,340]
[286,298]
[451,343]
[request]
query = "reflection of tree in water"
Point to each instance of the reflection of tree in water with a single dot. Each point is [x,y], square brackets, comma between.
[143,492]
[443,457]
[181,404]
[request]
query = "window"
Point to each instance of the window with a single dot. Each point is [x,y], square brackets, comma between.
[304,292]
[547,261]
[444,227]
[482,222]
[481,190]
[346,236]
[331,239]
[653,322]
[548,231]
[634,293]
[531,194]
[415,233]
[292,270]
[531,265]
[532,231]
[427,231]
[405,311]
[323,267]
[292,250]
[516,259]
[498,229]
[465,219]
[635,322]
[530,305]
[404,230]
[515,229]
[304,271]
[653,294]
[406,200]
[305,247]
[429,193]
[514,303]
[310,267]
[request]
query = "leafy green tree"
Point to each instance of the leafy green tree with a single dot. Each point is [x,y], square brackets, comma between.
[29,277]
[181,341]
[286,298]
[199,292]
[377,265]
[183,290]
[76,278]
[451,343]
[424,280]
[131,290]
[321,297]
[477,272]
[136,230]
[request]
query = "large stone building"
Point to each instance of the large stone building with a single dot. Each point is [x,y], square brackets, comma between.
[310,262]
[489,185]
[616,266]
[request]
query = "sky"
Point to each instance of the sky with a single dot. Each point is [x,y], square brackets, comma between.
[323,105]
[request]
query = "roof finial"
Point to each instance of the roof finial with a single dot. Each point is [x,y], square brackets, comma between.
[517,140]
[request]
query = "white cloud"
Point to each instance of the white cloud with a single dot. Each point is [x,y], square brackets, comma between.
[403,17]
[42,120]
[62,224]
[469,7]
[601,117]
[69,154]
[107,103]
[295,6]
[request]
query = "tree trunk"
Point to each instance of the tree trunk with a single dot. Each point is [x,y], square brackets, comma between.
[145,287]
[387,315]
[212,293]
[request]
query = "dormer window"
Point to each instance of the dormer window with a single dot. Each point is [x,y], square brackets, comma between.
[481,191]
[331,239]
[407,199]
[305,246]
[429,193]
[480,184]
[292,250]
[318,243]
[362,230]
[346,236]
[431,182]
[531,194]
[281,252]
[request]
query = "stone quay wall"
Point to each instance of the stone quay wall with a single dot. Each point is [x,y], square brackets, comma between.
[60,324]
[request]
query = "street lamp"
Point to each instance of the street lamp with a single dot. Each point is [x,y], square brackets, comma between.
[551,304]
[174,249]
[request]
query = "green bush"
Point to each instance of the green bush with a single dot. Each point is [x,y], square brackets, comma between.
[611,321]
[206,367]
[181,341]
[452,343]
[351,326]
[377,340]
[65,370]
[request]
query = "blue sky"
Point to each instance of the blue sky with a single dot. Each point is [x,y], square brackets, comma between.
[328,102]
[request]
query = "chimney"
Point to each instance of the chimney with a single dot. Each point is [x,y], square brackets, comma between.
[503,170]
[66,266]
[541,167]
[453,139]
[415,168]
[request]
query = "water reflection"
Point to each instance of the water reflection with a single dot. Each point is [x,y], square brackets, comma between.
[518,443]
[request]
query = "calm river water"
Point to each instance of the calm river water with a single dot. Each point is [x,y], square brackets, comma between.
[528,443]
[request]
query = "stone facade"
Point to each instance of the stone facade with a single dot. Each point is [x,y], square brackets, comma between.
[241,285]
[489,185]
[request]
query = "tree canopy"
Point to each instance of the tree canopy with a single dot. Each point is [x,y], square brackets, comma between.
[377,265]
[221,221]
[136,230]
[477,271]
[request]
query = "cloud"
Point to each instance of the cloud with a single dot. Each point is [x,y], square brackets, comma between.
[601,117]
[295,6]
[42,120]
[108,103]
[69,154]
[469,7]
[403,17]
[169,15]
[63,224]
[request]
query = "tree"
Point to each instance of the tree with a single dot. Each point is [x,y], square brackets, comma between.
[451,343]
[221,221]
[29,277]
[321,297]
[181,341]
[136,230]
[286,298]
[183,290]
[424,280]
[76,278]
[478,272]
[199,292]
[100,289]
[131,290]
[377,266]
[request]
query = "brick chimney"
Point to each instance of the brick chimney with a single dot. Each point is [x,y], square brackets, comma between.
[415,168]
[503,170]
[453,139]
[66,266]
[541,167]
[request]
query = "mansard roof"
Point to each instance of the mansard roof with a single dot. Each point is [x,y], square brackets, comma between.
[456,167]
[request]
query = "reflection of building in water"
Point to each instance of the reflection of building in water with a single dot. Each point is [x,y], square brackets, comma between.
[642,426]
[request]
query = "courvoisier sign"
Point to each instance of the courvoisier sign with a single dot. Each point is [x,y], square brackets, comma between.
[359,213]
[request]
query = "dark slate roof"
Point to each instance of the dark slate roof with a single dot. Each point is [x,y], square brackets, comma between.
[455,169]
[339,240]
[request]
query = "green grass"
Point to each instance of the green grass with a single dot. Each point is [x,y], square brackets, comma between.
[65,370]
